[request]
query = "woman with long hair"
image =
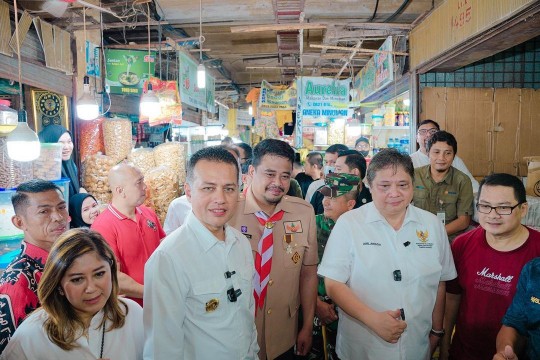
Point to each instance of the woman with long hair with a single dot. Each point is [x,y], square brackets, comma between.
[81,316]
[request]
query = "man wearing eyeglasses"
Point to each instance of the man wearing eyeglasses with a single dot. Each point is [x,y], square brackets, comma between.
[488,260]
[420,158]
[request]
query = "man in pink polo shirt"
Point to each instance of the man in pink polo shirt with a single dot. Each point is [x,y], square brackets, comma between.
[132,230]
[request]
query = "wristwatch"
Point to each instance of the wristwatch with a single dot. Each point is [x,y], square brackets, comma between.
[437,333]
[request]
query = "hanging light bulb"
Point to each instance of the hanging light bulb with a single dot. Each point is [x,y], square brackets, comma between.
[250,109]
[201,76]
[87,107]
[23,143]
[150,106]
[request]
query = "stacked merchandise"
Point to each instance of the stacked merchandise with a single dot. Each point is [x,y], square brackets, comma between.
[163,167]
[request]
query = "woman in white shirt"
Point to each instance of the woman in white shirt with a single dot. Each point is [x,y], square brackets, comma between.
[81,316]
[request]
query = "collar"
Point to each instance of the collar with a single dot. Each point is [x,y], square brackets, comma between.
[34,251]
[205,237]
[373,214]
[118,214]
[447,178]
[252,207]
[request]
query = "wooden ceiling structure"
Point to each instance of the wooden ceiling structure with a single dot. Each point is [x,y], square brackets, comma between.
[248,41]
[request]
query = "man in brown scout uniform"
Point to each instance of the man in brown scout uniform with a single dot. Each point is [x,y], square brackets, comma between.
[283,237]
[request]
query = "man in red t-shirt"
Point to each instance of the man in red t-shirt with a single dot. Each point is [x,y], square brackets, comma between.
[488,260]
[132,230]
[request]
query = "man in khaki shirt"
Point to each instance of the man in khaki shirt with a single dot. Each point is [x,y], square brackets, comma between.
[293,276]
[442,189]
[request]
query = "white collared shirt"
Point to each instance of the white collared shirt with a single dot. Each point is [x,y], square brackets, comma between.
[420,159]
[30,341]
[176,214]
[363,251]
[187,314]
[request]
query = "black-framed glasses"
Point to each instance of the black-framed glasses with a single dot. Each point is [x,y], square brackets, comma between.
[501,210]
[427,131]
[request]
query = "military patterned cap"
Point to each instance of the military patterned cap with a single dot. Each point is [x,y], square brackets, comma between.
[339,184]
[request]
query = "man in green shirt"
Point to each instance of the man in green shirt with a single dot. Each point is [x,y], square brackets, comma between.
[340,192]
[442,189]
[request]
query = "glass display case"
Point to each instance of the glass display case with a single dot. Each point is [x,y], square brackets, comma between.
[198,137]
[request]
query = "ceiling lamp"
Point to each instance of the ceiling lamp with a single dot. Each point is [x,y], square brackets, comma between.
[149,106]
[201,71]
[22,143]
[87,107]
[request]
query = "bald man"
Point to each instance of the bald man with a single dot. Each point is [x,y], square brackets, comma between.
[132,230]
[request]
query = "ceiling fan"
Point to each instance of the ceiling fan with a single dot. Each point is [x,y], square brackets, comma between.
[57,8]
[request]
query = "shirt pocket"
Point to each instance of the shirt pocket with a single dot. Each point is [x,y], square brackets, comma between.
[295,250]
[421,197]
[209,299]
[450,199]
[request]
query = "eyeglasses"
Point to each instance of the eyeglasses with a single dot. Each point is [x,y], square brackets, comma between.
[427,131]
[501,210]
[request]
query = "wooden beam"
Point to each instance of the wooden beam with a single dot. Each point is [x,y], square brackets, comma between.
[371,51]
[379,26]
[120,25]
[277,27]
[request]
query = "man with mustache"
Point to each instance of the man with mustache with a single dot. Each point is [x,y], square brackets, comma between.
[283,237]
[41,213]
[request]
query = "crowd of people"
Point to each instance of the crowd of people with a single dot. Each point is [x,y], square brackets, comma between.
[349,262]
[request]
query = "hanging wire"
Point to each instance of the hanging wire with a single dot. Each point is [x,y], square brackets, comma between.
[148,17]
[201,37]
[21,101]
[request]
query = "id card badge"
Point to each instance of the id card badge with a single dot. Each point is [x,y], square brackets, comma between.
[441,215]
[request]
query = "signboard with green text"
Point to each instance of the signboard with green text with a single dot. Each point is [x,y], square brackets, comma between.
[127,70]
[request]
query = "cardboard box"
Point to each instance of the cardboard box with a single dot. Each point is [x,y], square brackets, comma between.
[533,175]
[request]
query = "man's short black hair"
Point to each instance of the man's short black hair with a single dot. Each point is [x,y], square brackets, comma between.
[389,158]
[218,154]
[19,200]
[247,150]
[245,166]
[429,121]
[355,160]
[502,179]
[315,158]
[272,147]
[336,148]
[442,136]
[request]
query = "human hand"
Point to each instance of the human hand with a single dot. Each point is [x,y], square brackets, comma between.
[303,341]
[389,326]
[433,343]
[325,312]
[507,354]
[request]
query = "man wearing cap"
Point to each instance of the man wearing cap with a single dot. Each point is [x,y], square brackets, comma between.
[348,162]
[330,157]
[362,146]
[340,192]
[282,233]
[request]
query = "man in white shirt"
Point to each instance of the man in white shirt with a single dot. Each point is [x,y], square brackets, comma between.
[198,301]
[178,210]
[420,158]
[385,266]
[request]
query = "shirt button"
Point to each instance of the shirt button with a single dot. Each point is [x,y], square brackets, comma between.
[270,282]
[269,311]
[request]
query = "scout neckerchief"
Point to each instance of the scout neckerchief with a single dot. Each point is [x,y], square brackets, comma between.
[263,257]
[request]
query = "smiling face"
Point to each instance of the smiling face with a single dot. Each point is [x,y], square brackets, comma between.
[87,285]
[441,156]
[89,210]
[493,223]
[213,194]
[43,219]
[67,146]
[134,189]
[392,191]
[271,179]
[334,207]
